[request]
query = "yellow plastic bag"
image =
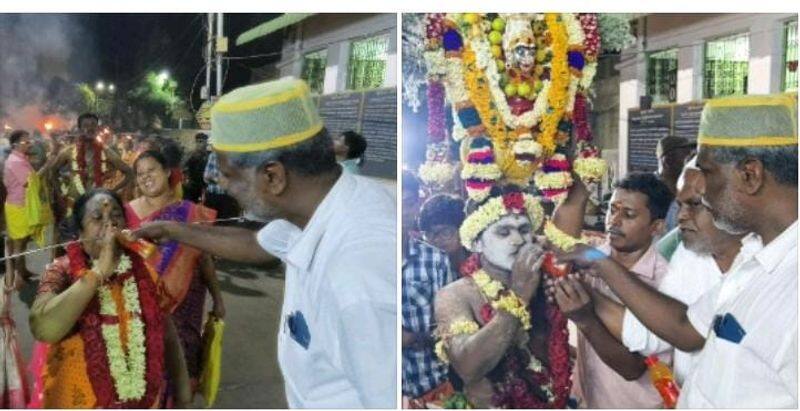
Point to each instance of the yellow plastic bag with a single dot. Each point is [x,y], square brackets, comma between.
[212,360]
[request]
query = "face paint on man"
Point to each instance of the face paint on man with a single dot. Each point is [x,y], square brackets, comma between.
[501,241]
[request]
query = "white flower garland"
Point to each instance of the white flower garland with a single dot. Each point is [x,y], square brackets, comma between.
[435,62]
[576,37]
[455,90]
[127,370]
[436,172]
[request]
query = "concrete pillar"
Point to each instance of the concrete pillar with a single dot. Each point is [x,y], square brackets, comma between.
[690,72]
[391,61]
[336,68]
[766,55]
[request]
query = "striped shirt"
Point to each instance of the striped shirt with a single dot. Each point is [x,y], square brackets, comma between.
[425,271]
[211,175]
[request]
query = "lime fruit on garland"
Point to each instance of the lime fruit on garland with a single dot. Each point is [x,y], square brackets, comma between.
[471,18]
[511,89]
[501,65]
[497,51]
[498,24]
[495,37]
[524,89]
[541,55]
[538,85]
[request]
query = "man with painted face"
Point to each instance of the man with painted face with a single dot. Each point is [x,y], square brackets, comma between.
[746,326]
[485,329]
[635,218]
[334,231]
[700,262]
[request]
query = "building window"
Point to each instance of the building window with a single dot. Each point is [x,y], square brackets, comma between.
[367,66]
[313,71]
[662,76]
[726,65]
[790,57]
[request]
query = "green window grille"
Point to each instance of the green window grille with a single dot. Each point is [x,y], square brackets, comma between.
[790,57]
[367,65]
[662,76]
[726,66]
[313,71]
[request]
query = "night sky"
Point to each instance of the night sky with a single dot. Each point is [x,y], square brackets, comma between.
[127,46]
[47,52]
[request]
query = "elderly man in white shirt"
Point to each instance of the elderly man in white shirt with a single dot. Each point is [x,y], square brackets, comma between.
[746,326]
[334,231]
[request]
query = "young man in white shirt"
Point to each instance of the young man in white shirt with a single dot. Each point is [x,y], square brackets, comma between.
[334,231]
[746,326]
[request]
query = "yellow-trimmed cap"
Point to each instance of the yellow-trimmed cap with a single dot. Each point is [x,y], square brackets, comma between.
[264,116]
[749,121]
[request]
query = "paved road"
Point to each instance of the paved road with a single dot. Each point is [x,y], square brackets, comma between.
[250,374]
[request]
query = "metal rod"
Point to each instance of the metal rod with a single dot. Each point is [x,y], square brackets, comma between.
[209,54]
[50,247]
[219,55]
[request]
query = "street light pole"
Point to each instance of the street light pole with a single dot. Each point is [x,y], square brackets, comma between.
[209,54]
[220,38]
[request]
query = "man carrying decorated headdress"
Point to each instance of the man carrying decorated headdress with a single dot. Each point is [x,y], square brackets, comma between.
[506,344]
[744,328]
[334,231]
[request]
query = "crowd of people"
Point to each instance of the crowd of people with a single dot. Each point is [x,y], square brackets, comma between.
[696,269]
[118,314]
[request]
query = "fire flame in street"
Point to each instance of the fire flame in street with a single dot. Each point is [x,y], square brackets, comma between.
[48,126]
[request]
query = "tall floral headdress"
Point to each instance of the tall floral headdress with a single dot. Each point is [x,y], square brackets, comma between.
[494,209]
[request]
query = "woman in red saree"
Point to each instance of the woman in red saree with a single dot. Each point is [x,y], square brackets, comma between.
[109,342]
[184,272]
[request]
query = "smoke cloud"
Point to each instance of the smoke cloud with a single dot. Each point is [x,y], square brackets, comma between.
[40,52]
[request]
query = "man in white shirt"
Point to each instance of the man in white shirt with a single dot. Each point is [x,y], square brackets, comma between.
[334,231]
[746,326]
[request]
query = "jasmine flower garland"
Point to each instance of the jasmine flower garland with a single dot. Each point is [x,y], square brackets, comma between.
[127,370]
[436,173]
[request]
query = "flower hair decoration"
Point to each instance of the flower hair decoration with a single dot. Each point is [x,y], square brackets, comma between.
[494,209]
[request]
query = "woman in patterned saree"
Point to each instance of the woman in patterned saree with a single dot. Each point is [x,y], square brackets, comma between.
[97,307]
[184,273]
